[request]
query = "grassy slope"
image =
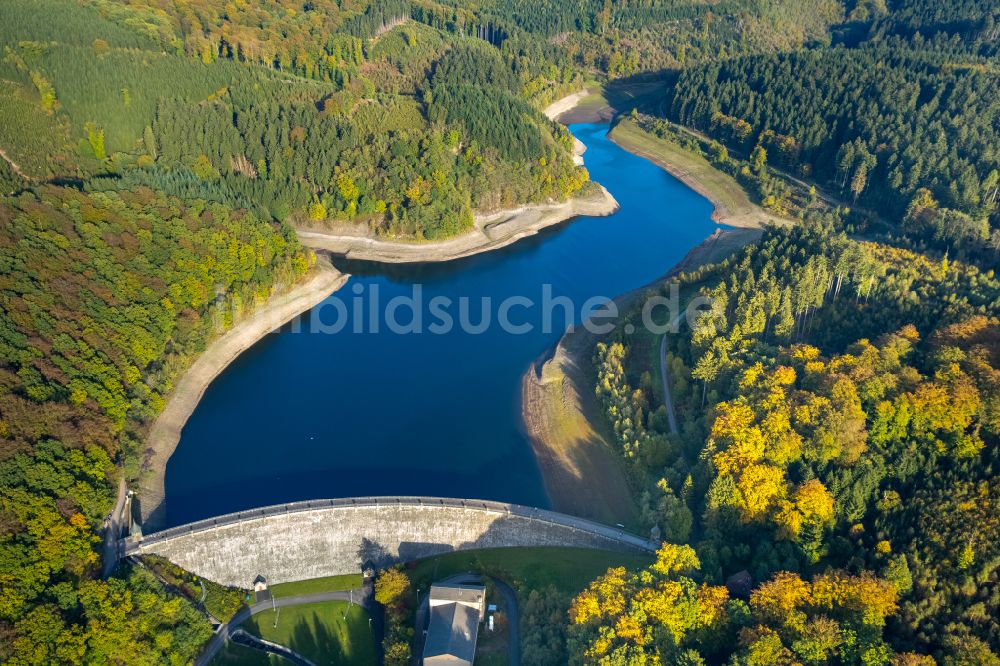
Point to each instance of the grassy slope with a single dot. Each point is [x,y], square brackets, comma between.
[733,206]
[314,585]
[570,570]
[317,631]
[583,475]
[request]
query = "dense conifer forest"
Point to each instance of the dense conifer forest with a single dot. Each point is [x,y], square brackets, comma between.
[310,139]
[153,168]
[871,123]
[831,495]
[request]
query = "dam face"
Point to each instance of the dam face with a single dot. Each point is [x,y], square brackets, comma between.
[305,540]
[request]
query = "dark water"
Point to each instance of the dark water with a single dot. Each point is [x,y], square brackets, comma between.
[308,415]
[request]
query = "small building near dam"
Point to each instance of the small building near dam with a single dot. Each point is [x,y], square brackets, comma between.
[456,609]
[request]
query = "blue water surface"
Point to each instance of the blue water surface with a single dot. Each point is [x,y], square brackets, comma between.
[309,415]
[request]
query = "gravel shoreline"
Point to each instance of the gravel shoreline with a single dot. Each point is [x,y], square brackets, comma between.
[166,430]
[492,231]
[582,474]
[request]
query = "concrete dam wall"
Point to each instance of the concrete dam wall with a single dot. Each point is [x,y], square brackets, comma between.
[304,540]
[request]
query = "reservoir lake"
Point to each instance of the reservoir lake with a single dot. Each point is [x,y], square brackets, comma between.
[307,414]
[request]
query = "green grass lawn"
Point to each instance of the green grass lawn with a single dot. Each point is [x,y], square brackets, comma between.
[570,570]
[315,585]
[237,655]
[319,632]
[723,187]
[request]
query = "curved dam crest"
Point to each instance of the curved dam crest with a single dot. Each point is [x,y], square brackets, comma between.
[304,540]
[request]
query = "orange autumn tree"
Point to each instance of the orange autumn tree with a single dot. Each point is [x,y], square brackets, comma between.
[836,616]
[838,408]
[649,617]
[665,615]
[751,442]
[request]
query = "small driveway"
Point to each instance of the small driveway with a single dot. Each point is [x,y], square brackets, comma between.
[509,608]
[113,532]
[513,621]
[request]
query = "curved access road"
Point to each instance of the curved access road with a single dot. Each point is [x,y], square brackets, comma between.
[241,637]
[667,401]
[513,622]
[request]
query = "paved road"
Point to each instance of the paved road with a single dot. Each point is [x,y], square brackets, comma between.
[113,531]
[513,622]
[359,595]
[667,401]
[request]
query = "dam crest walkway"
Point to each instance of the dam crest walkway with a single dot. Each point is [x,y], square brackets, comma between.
[310,539]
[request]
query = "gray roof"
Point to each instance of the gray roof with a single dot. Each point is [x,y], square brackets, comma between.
[451,636]
[470,594]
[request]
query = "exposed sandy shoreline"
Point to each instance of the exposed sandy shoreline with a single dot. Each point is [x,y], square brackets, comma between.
[721,213]
[166,429]
[556,399]
[747,215]
[492,230]
[561,106]
[583,475]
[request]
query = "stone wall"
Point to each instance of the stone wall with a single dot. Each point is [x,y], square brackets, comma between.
[309,540]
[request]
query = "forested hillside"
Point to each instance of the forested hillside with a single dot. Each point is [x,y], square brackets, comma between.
[105,298]
[878,125]
[900,117]
[835,466]
[152,155]
[296,140]
[624,38]
[831,495]
[836,461]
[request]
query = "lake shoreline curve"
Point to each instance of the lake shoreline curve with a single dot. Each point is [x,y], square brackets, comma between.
[165,431]
[581,472]
[493,231]
[748,215]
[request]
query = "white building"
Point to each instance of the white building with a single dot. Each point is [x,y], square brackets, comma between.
[455,613]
